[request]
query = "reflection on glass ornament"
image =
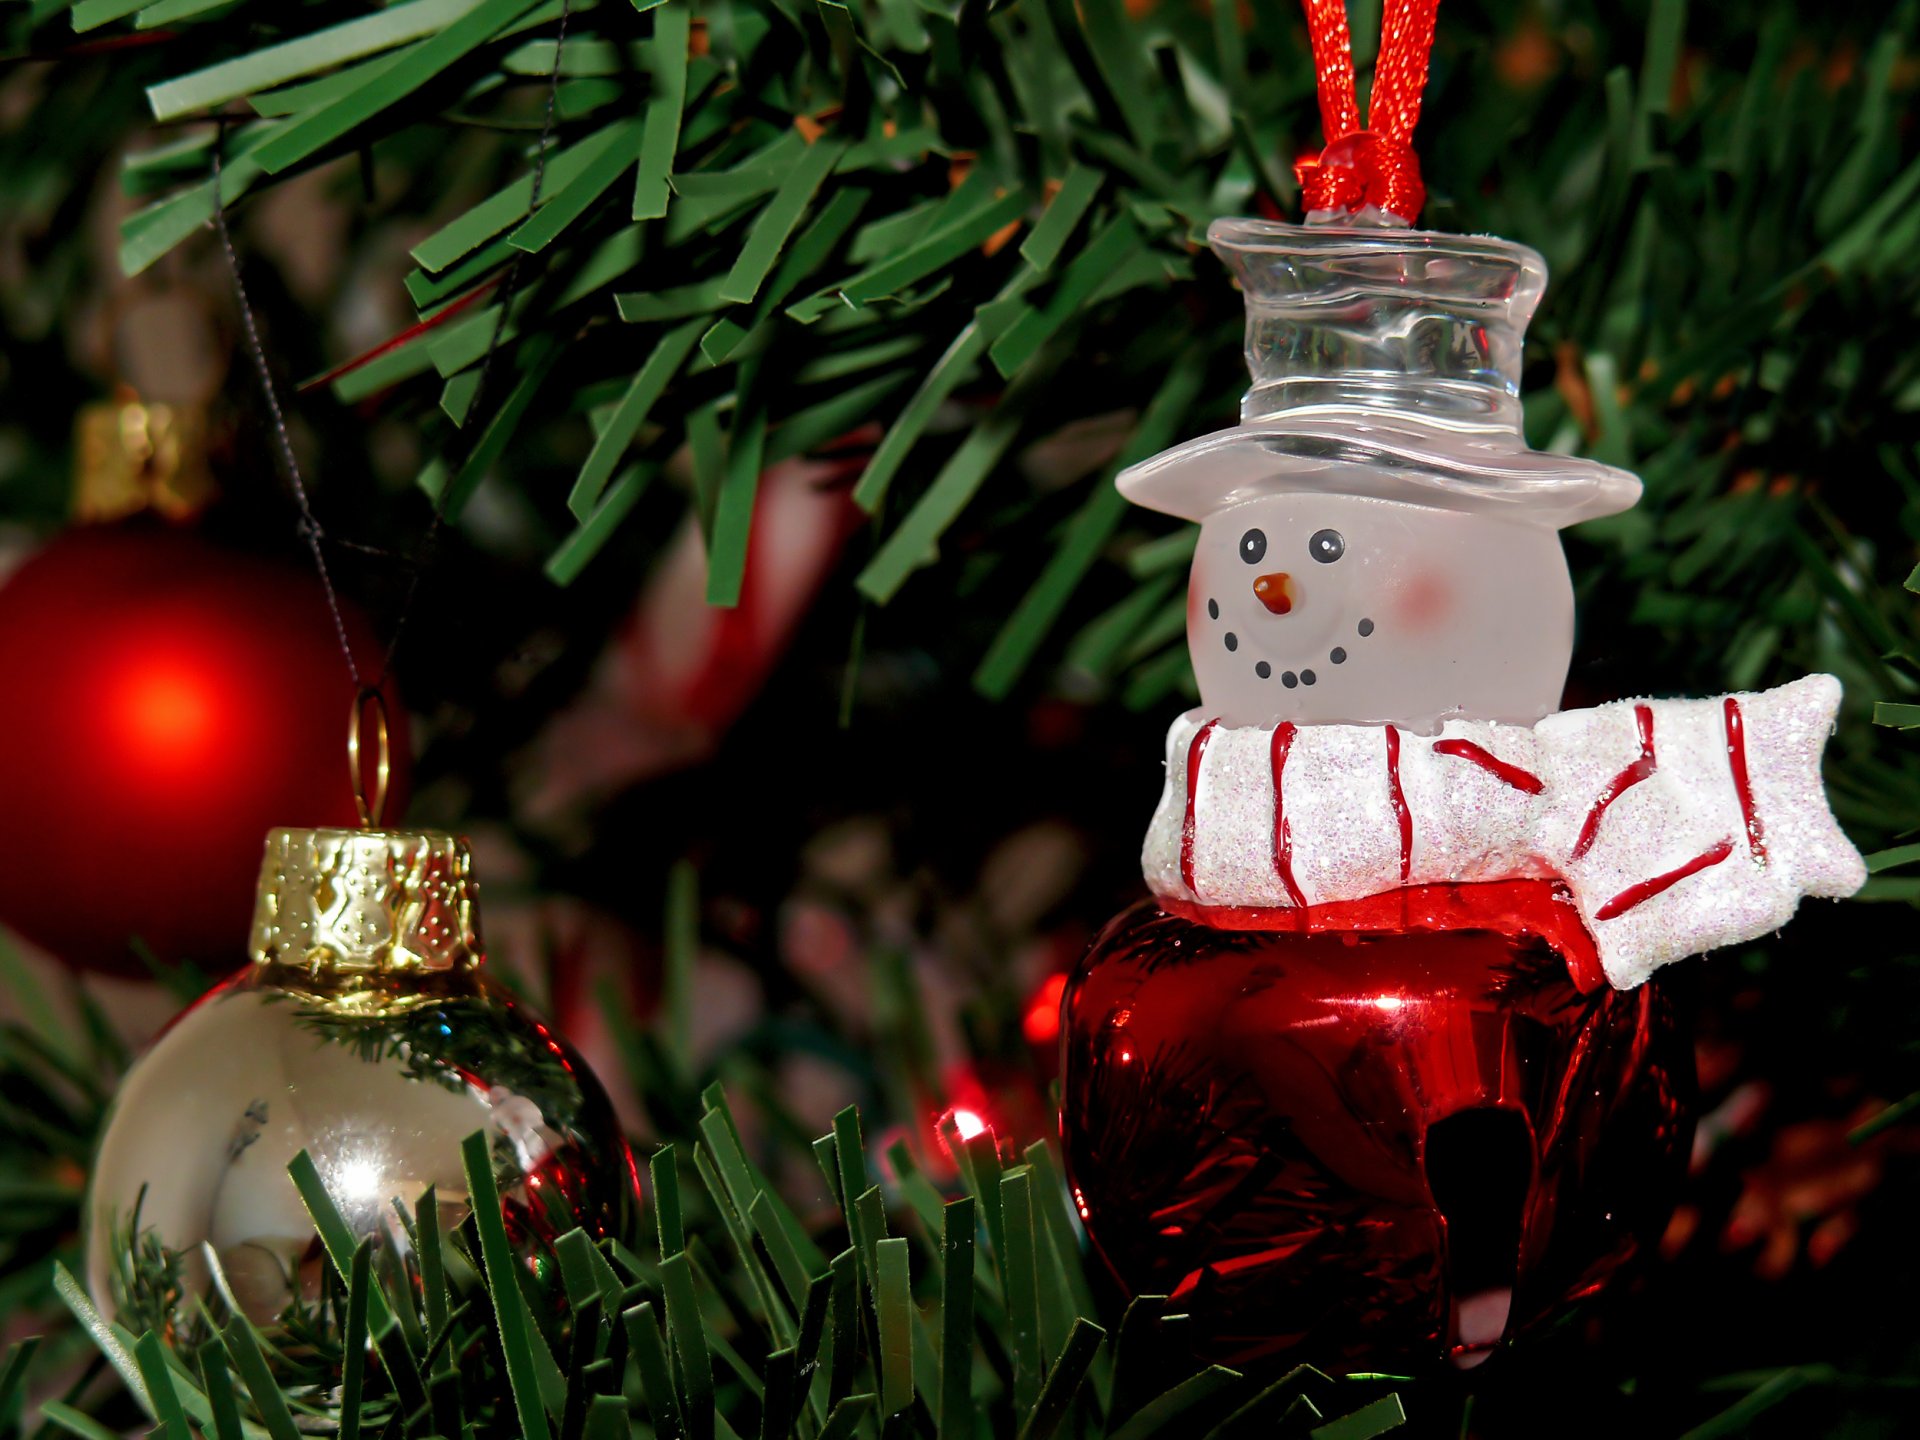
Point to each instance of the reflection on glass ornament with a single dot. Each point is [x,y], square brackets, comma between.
[1380,1074]
[364,1034]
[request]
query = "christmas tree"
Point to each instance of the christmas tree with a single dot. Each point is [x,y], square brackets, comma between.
[717,405]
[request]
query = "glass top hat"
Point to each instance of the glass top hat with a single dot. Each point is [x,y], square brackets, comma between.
[1385,363]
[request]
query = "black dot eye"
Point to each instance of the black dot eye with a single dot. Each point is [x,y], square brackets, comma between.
[1253,546]
[1327,546]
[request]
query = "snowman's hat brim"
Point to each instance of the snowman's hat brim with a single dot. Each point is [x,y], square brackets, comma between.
[1382,457]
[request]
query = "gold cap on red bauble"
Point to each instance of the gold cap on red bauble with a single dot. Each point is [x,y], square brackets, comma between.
[131,457]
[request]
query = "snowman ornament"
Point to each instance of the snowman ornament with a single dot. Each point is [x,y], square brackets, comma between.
[1380,609]
[1393,884]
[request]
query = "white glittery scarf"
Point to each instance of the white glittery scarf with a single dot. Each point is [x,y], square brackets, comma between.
[1677,825]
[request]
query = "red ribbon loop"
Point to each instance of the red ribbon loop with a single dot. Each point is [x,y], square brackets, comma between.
[1374,166]
[1359,170]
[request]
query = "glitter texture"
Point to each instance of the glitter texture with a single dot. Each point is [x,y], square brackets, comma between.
[1470,824]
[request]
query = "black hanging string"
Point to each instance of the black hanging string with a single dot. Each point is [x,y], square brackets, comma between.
[283,441]
[310,531]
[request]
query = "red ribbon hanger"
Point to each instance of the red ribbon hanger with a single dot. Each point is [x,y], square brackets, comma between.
[1376,165]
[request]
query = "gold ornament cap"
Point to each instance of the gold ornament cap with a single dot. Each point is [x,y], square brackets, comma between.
[131,457]
[361,902]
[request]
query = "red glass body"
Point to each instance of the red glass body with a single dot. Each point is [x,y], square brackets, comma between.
[1380,1139]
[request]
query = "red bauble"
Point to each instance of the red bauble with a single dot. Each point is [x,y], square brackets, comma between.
[167,702]
[1389,1135]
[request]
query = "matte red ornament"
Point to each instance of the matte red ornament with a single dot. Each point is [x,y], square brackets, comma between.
[1387,1133]
[168,701]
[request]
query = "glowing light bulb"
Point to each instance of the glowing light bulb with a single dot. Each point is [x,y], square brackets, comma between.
[1388,1002]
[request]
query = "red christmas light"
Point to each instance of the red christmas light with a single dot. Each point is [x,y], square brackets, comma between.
[1042,1020]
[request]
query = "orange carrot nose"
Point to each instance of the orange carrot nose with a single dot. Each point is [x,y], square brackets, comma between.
[1275,591]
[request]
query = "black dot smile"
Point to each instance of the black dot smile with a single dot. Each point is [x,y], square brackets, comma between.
[1254,543]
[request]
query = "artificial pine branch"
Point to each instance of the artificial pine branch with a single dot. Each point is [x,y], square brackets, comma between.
[829,1343]
[733,133]
[754,210]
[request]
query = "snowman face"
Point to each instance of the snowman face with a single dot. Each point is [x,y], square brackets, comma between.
[1327,609]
